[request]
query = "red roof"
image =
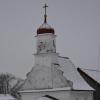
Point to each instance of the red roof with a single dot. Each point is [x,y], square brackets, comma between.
[45,28]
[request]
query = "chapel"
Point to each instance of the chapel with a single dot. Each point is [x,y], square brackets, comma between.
[46,80]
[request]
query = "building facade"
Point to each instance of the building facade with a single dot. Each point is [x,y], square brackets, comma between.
[46,78]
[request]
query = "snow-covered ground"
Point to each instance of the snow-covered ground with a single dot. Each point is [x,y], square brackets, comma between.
[6,97]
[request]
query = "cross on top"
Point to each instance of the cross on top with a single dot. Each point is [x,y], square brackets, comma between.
[45,16]
[45,6]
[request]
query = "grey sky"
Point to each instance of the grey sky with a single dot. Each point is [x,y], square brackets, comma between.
[76,23]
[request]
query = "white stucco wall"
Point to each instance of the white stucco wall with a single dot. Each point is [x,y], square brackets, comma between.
[46,59]
[60,94]
[47,42]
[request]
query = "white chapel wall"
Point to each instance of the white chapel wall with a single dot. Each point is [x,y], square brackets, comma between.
[61,95]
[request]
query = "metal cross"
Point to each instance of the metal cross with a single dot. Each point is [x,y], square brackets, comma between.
[45,16]
[45,6]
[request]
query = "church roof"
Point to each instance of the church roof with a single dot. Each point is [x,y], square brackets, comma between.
[45,28]
[71,73]
[90,80]
[93,74]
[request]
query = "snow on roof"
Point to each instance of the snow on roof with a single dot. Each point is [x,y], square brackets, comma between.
[6,97]
[71,73]
[47,90]
[95,75]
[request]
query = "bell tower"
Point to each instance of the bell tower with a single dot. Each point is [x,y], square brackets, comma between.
[46,73]
[45,44]
[45,37]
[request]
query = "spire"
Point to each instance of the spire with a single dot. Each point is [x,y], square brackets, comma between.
[45,28]
[45,15]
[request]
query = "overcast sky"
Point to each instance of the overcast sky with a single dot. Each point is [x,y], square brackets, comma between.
[76,23]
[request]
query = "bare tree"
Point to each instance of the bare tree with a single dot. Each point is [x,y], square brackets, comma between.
[4,82]
[7,88]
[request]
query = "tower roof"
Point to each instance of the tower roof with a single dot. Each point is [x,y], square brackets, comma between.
[45,28]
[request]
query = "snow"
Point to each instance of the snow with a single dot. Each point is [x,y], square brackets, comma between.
[6,97]
[72,74]
[42,90]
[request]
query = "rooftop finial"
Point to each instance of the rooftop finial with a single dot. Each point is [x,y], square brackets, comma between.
[45,15]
